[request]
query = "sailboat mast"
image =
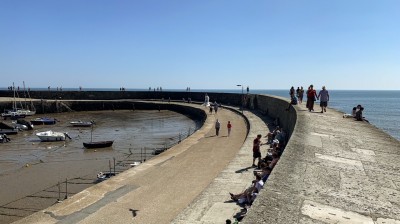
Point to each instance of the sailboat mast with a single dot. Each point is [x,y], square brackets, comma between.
[23,82]
[14,102]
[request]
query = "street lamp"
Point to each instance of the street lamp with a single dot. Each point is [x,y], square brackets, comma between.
[242,98]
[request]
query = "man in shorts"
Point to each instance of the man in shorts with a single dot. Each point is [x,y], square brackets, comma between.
[256,150]
[323,97]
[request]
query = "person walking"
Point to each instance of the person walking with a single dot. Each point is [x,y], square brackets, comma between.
[229,126]
[217,126]
[311,97]
[323,97]
[256,150]
[291,91]
[216,107]
[301,94]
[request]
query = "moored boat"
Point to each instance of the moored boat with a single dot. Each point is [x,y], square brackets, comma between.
[102,176]
[13,114]
[22,124]
[99,144]
[81,123]
[51,136]
[43,120]
[7,129]
[16,113]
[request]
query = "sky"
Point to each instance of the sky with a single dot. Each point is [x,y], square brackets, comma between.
[216,44]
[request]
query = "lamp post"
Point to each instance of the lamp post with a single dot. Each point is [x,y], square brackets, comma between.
[242,98]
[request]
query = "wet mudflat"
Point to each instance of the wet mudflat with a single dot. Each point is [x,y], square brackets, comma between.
[30,170]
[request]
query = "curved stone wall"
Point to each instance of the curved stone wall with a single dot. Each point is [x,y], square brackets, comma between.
[271,106]
[62,101]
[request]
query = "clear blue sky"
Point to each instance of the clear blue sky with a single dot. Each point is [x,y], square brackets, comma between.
[216,44]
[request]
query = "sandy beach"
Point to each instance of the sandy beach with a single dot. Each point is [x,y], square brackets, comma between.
[30,170]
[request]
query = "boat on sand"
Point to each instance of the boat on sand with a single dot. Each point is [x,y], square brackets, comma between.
[99,144]
[43,120]
[52,136]
[81,123]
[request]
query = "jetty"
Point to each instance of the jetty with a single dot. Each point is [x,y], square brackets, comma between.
[333,170]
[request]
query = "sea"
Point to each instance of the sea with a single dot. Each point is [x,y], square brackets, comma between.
[381,107]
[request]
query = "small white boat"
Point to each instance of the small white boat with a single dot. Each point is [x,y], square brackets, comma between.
[27,112]
[51,136]
[134,164]
[81,123]
[102,176]
[13,114]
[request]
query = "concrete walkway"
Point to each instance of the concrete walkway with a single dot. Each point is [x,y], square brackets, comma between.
[158,190]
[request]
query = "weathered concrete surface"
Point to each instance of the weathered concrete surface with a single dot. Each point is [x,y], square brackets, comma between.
[155,191]
[334,170]
[214,204]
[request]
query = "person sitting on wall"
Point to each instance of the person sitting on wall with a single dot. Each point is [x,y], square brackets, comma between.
[247,195]
[293,101]
[275,159]
[281,137]
[264,172]
[271,135]
[359,113]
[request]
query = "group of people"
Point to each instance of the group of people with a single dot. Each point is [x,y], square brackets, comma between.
[356,113]
[323,97]
[276,140]
[156,89]
[296,96]
[58,88]
[218,127]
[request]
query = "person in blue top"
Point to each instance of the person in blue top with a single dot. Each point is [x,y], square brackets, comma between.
[323,97]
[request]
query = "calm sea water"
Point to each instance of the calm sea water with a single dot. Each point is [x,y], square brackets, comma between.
[381,108]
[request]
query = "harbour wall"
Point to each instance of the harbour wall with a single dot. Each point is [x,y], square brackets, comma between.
[331,170]
[266,105]
[64,101]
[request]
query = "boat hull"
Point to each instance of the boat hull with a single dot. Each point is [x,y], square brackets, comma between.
[100,144]
[8,131]
[81,123]
[13,115]
[43,121]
